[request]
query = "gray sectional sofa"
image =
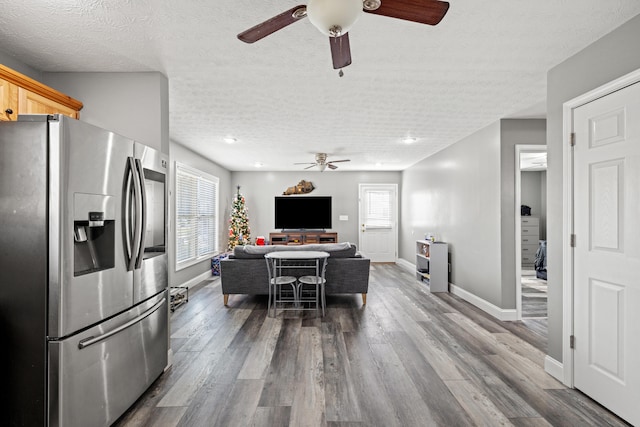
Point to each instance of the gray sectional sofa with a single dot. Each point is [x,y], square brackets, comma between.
[245,271]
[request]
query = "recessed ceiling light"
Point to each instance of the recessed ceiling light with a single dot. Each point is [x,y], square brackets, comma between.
[229,140]
[409,140]
[258,165]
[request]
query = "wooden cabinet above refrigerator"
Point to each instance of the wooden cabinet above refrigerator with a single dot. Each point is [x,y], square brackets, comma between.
[20,94]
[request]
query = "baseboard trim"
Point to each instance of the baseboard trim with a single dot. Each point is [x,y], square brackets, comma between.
[504,314]
[486,306]
[554,368]
[406,265]
[195,280]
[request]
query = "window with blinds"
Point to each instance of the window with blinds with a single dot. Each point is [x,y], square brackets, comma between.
[196,215]
[378,209]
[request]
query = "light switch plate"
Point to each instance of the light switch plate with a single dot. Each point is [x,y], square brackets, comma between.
[344,217]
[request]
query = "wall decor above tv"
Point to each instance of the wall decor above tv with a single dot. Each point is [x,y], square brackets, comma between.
[303,187]
[303,212]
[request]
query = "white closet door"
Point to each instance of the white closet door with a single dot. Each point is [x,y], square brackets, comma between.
[607,254]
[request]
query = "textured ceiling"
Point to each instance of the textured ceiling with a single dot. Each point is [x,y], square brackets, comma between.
[280,97]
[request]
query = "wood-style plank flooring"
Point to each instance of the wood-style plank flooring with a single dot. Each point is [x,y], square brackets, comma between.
[408,358]
[534,297]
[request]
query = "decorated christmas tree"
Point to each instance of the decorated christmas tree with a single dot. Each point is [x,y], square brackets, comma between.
[239,232]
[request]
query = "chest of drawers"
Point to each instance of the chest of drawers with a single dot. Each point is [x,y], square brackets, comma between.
[530,235]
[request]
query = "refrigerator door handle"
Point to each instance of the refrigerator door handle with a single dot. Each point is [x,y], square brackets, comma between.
[128,194]
[137,232]
[142,213]
[93,340]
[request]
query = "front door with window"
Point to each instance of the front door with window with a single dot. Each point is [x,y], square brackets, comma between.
[378,233]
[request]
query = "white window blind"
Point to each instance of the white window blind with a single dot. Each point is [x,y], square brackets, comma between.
[196,215]
[378,209]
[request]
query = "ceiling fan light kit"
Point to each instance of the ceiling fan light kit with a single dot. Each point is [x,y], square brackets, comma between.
[321,163]
[335,18]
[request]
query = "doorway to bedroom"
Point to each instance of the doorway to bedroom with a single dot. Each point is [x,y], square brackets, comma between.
[531,222]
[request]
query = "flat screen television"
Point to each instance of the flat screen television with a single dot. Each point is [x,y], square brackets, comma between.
[303,213]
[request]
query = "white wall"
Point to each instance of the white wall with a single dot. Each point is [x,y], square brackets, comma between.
[533,194]
[15,64]
[613,56]
[260,188]
[135,105]
[531,191]
[456,194]
[466,195]
[183,155]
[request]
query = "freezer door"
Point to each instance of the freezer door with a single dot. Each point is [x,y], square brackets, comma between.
[23,272]
[88,277]
[150,274]
[96,375]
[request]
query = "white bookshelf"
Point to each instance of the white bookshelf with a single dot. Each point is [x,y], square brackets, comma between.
[432,264]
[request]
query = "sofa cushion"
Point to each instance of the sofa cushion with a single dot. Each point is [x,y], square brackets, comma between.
[252,251]
[336,250]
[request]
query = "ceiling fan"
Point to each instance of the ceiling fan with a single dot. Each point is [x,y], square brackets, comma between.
[321,162]
[335,18]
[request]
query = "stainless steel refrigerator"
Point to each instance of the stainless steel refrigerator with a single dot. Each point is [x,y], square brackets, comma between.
[83,272]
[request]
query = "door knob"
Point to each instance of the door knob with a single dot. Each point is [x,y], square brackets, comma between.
[8,111]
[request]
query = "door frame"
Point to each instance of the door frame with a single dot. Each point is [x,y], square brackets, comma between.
[568,210]
[395,213]
[521,148]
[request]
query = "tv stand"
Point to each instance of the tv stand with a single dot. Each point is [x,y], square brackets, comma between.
[302,237]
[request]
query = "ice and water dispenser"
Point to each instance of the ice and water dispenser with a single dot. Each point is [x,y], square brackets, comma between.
[93,233]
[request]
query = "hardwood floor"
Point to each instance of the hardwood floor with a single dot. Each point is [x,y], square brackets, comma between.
[408,358]
[534,297]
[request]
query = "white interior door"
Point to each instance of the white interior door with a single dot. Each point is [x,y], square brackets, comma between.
[378,235]
[607,253]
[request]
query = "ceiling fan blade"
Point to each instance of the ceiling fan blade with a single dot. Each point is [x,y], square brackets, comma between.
[428,12]
[274,24]
[336,161]
[312,166]
[332,167]
[340,51]
[305,163]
